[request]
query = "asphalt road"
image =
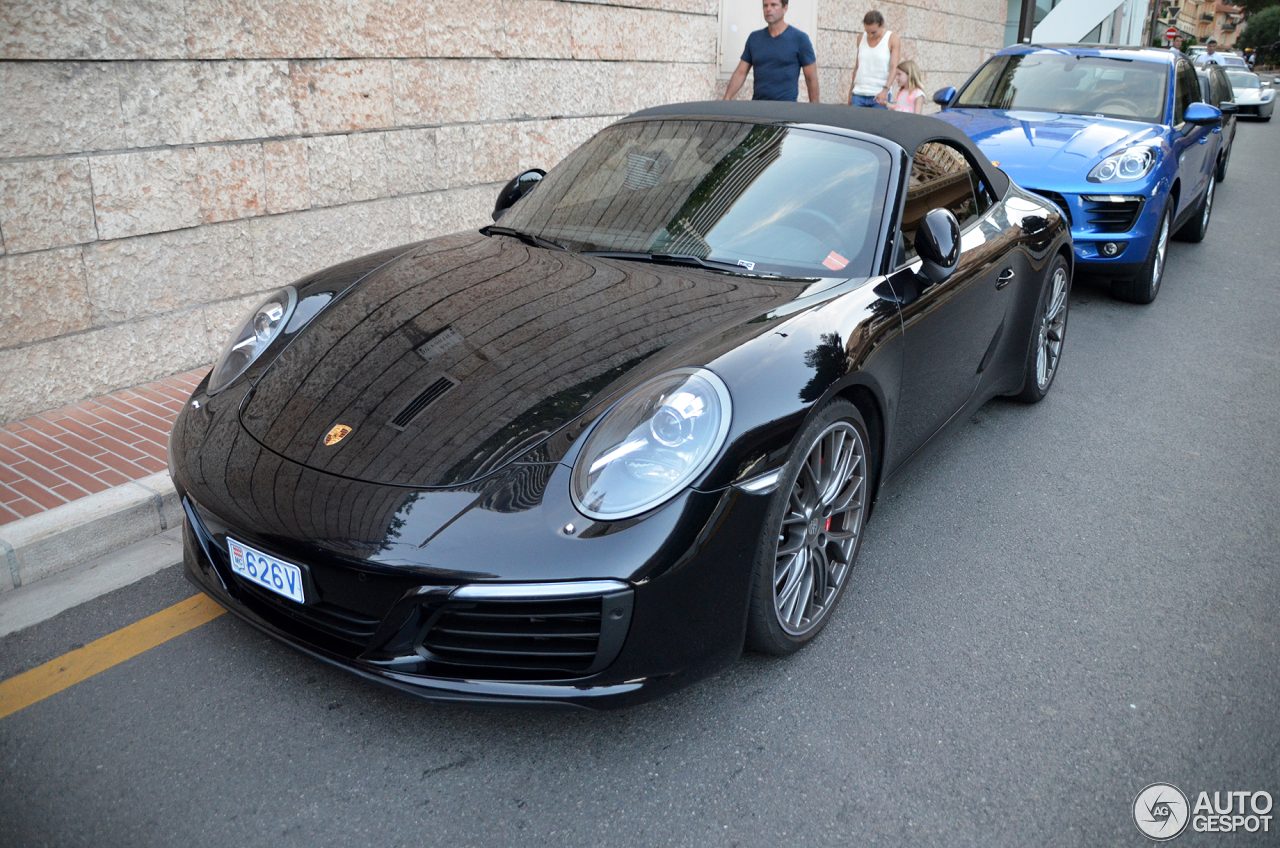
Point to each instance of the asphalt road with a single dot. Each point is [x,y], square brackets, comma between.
[1054,608]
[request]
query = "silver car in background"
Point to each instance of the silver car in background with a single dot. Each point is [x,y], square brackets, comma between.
[1252,99]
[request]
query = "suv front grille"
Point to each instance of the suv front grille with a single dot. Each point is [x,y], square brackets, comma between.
[1112,213]
[1055,198]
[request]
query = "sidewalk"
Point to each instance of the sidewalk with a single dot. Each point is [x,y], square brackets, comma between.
[81,484]
[61,456]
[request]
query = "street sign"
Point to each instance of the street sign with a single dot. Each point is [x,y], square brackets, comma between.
[1171,33]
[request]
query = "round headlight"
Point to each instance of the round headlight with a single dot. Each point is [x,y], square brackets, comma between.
[651,444]
[257,331]
[1125,166]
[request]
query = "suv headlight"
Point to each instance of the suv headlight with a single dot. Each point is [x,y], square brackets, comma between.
[1125,166]
[651,444]
[257,331]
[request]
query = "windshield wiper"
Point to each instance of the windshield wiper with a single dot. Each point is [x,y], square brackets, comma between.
[527,238]
[675,259]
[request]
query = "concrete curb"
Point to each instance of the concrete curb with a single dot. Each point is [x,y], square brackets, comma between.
[86,529]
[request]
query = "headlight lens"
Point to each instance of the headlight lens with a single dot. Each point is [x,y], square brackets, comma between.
[257,331]
[651,444]
[1125,166]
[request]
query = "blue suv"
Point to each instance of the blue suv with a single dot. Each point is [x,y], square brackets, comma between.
[1117,137]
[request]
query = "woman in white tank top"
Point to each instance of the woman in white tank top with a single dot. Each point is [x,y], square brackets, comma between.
[874,63]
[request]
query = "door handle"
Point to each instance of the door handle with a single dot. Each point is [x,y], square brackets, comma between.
[1204,140]
[1216,130]
[1006,277]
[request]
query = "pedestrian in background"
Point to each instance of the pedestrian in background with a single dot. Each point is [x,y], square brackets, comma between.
[910,83]
[777,55]
[879,52]
[1210,57]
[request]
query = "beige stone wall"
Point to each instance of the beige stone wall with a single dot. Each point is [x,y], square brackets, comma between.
[163,163]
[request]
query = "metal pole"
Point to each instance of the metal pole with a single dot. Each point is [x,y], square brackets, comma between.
[1150,36]
[1027,22]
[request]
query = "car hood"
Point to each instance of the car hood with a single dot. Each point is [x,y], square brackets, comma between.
[466,353]
[1253,96]
[1046,150]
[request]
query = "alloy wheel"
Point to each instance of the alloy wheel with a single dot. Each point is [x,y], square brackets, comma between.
[1162,245]
[820,529]
[1208,203]
[1052,329]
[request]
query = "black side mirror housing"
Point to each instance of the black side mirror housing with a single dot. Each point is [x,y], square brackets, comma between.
[519,186]
[943,96]
[937,242]
[1227,108]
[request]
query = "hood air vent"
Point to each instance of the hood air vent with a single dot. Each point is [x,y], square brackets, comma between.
[418,405]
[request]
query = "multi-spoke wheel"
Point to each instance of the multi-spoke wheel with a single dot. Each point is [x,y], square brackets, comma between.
[1047,334]
[1195,229]
[1144,287]
[813,531]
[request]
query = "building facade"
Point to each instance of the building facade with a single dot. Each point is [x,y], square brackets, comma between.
[164,163]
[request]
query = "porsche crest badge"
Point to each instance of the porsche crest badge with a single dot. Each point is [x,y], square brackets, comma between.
[337,434]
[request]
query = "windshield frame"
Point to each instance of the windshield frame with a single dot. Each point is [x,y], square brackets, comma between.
[868,261]
[1005,59]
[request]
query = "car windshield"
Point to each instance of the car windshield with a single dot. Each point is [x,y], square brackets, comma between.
[763,198]
[1241,80]
[1075,85]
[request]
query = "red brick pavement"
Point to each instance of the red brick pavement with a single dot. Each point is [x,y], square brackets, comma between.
[56,457]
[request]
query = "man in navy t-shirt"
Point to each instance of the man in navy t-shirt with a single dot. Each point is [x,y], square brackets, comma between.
[777,54]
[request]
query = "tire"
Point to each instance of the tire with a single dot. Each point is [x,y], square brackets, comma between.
[1196,228]
[803,564]
[1146,285]
[1047,334]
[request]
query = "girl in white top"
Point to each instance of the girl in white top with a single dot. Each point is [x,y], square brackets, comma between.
[879,51]
[910,83]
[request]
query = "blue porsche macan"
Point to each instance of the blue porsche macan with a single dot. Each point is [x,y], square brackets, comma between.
[1117,137]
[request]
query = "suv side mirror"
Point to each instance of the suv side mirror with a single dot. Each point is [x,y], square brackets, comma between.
[519,186]
[943,96]
[1202,114]
[1227,107]
[937,242]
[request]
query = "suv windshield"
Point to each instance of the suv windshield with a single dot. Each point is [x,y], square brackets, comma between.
[1241,80]
[1074,85]
[763,198]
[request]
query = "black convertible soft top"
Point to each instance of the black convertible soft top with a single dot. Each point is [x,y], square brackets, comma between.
[904,129]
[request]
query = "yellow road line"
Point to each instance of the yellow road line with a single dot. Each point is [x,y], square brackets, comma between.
[81,664]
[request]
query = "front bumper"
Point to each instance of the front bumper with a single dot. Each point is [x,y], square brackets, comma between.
[1111,231]
[657,634]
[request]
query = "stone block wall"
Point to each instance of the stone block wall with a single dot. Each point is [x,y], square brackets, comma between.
[165,163]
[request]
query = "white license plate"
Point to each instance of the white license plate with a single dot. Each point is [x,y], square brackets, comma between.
[268,572]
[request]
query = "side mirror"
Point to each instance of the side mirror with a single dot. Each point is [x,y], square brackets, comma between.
[1227,107]
[943,96]
[938,244]
[1275,81]
[1202,114]
[521,185]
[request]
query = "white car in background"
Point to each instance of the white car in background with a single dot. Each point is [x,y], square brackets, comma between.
[1252,100]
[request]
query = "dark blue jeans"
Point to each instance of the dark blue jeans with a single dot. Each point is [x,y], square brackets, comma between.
[864,100]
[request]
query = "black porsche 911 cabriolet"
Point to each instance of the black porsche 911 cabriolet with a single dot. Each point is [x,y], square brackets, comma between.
[586,454]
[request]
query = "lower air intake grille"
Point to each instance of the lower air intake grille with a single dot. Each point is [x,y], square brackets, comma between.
[1112,213]
[332,620]
[1054,197]
[527,639]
